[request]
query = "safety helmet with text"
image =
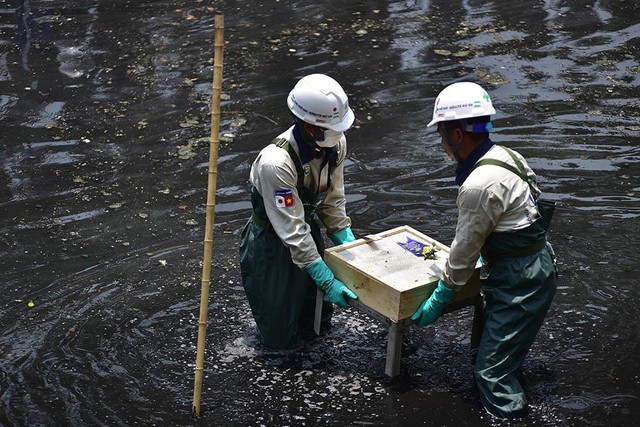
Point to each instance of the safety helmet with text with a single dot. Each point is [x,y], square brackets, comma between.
[320,100]
[460,101]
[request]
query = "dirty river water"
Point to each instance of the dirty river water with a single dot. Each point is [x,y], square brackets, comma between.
[104,123]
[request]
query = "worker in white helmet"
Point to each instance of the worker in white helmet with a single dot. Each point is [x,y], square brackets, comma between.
[501,218]
[296,178]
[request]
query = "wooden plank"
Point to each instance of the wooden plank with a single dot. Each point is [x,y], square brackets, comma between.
[317,317]
[394,349]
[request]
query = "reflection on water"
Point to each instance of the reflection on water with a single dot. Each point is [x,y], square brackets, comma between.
[104,112]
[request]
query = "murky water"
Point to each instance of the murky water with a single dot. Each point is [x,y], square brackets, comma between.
[104,129]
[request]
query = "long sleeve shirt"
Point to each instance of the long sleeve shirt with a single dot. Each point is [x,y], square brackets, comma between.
[274,175]
[491,199]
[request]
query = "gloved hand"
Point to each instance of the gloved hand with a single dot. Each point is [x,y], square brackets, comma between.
[433,306]
[342,236]
[335,290]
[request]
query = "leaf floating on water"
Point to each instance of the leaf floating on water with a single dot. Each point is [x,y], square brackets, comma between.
[143,215]
[443,52]
[162,262]
[485,76]
[227,137]
[186,152]
[462,54]
[237,123]
[191,222]
[609,64]
[31,304]
[189,122]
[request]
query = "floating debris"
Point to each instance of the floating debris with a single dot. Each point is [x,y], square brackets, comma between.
[237,123]
[608,64]
[188,150]
[227,137]
[189,122]
[484,76]
[442,52]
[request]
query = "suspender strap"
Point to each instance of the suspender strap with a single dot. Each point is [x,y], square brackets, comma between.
[284,144]
[520,171]
[260,221]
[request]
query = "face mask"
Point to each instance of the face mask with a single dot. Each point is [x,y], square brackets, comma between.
[331,138]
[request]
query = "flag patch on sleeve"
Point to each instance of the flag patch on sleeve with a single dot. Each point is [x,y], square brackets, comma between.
[284,198]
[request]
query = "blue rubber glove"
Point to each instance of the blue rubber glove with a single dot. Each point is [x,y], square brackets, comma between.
[343,236]
[433,306]
[335,290]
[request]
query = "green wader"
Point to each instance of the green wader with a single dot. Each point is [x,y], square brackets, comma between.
[281,295]
[519,281]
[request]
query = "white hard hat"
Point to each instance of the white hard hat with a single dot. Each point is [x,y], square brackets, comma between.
[461,101]
[319,100]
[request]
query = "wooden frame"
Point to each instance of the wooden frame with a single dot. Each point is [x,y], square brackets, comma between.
[391,284]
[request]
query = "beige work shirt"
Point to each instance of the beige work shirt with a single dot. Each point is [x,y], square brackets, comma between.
[491,199]
[274,175]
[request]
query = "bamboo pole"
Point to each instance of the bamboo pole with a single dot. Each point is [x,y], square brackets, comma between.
[211,203]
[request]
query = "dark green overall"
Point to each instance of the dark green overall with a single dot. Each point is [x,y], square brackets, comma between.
[518,280]
[281,295]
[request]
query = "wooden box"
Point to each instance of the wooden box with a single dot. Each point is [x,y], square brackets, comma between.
[387,277]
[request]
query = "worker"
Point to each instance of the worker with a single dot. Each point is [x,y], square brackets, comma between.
[502,223]
[295,179]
